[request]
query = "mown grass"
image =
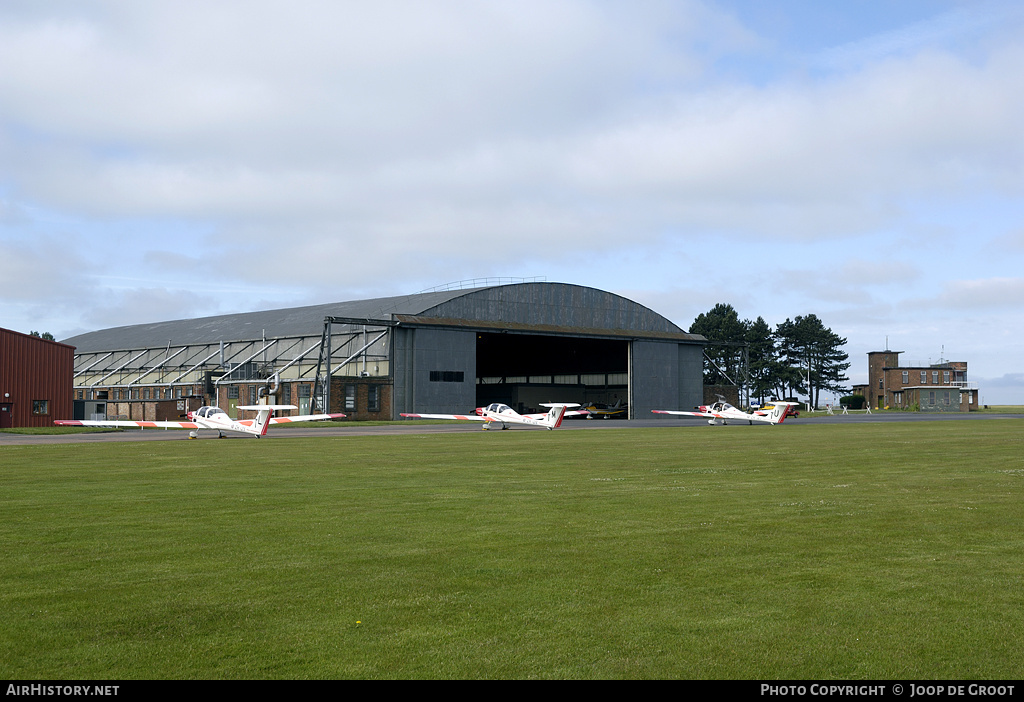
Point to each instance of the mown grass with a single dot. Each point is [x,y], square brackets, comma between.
[801,552]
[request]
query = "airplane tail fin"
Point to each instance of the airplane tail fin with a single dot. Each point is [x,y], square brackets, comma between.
[263,415]
[553,420]
[262,421]
[777,415]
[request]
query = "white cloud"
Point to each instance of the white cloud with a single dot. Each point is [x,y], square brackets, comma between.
[411,129]
[984,294]
[40,271]
[953,26]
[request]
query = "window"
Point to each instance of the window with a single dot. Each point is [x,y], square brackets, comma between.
[145,393]
[945,377]
[40,406]
[350,398]
[924,377]
[373,398]
[931,398]
[232,392]
[447,376]
[906,377]
[286,393]
[881,383]
[935,377]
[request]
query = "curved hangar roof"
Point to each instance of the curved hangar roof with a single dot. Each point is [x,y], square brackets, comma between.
[552,307]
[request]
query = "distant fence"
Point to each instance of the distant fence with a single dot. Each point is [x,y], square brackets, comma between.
[829,409]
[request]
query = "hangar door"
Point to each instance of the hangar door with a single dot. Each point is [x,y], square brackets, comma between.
[525,370]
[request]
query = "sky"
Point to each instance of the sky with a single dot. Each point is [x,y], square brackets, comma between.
[862,161]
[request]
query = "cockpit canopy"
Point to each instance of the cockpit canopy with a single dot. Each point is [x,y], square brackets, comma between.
[208,412]
[497,407]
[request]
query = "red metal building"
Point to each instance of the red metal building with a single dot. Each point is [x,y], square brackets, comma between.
[35,380]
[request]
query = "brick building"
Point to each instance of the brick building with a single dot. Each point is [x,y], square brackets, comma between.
[927,387]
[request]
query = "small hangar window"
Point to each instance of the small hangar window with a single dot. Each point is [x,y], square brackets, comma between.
[447,376]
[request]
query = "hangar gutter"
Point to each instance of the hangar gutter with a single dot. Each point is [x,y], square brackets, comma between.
[479,325]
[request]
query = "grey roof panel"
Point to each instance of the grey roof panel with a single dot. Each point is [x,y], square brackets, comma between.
[293,321]
[521,304]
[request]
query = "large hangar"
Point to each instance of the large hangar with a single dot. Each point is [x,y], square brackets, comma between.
[446,350]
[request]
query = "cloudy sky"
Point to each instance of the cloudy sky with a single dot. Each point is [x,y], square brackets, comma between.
[861,161]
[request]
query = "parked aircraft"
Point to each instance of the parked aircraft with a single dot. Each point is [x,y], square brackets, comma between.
[501,414]
[722,413]
[212,418]
[606,411]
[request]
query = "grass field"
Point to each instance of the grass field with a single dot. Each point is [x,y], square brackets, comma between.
[889,551]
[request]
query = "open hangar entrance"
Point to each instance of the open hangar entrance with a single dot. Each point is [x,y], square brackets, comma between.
[526,370]
[531,343]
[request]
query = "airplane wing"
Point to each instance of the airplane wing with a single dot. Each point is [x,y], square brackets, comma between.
[568,412]
[285,420]
[465,417]
[122,423]
[305,418]
[685,414]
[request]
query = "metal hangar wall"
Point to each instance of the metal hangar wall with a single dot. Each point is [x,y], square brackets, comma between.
[35,380]
[447,350]
[529,343]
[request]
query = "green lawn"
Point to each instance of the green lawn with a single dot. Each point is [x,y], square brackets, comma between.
[888,551]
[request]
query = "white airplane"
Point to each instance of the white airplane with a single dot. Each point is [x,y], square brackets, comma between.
[498,413]
[722,413]
[212,418]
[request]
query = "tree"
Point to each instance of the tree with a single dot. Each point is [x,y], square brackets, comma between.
[832,364]
[45,335]
[814,356]
[721,324]
[801,356]
[762,357]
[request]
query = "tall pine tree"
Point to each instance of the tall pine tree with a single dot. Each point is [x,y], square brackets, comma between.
[814,356]
[722,324]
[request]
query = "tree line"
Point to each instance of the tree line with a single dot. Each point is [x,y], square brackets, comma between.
[800,356]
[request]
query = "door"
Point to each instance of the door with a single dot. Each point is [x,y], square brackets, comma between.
[6,416]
